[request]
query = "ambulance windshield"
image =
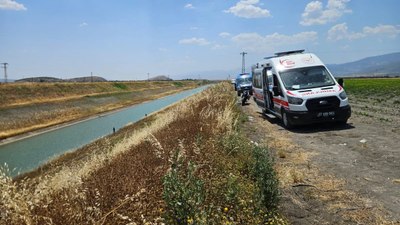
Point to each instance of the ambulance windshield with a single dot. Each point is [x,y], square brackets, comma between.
[308,77]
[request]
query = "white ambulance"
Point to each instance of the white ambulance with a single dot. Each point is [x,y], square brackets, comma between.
[298,88]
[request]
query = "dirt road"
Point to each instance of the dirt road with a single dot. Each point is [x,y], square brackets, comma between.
[335,174]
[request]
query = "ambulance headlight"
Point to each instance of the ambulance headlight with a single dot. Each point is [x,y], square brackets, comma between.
[295,101]
[343,95]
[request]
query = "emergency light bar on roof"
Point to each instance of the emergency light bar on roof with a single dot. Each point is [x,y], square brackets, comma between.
[269,57]
[278,54]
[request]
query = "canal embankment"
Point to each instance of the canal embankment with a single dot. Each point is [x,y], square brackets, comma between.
[27,107]
[32,151]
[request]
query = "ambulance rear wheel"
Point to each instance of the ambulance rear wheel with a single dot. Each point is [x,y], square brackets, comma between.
[286,123]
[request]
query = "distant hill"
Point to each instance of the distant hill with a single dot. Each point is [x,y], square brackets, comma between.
[87,79]
[160,78]
[40,79]
[53,79]
[382,65]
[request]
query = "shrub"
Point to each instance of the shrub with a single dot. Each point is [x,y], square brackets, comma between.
[120,86]
[183,193]
[264,174]
[178,84]
[233,143]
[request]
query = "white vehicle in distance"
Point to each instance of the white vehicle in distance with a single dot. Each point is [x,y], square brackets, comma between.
[298,88]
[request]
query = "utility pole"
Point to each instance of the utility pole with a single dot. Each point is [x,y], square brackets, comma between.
[243,62]
[91,77]
[5,71]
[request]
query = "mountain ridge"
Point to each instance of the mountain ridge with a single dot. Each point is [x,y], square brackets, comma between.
[380,65]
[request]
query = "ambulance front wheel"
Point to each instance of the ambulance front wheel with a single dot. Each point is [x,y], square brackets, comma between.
[286,122]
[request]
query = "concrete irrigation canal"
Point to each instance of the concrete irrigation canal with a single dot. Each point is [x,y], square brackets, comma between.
[28,153]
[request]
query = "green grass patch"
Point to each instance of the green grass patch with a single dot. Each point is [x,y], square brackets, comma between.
[120,86]
[178,84]
[373,87]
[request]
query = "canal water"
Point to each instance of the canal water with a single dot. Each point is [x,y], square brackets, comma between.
[29,153]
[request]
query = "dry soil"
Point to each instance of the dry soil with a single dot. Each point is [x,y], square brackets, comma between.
[335,174]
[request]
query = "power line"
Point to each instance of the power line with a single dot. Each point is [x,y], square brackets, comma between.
[243,62]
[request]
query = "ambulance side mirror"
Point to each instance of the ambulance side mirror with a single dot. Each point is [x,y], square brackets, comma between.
[341,82]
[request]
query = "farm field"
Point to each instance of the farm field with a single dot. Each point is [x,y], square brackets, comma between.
[333,174]
[377,98]
[27,107]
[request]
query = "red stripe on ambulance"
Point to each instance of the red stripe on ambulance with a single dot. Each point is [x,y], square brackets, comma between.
[281,102]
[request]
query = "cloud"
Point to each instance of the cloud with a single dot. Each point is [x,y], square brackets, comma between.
[387,30]
[224,34]
[84,24]
[341,32]
[257,43]
[189,6]
[315,14]
[11,5]
[194,41]
[218,46]
[248,9]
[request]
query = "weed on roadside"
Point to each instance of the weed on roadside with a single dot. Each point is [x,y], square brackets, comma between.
[183,192]
[266,178]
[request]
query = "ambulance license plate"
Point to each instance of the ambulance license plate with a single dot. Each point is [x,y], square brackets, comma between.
[326,114]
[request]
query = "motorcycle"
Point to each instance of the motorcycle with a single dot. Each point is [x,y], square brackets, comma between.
[245,96]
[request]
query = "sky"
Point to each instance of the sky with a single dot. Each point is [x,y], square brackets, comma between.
[137,39]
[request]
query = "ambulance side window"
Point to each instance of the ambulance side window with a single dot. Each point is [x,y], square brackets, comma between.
[277,90]
[268,77]
[257,80]
[270,80]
